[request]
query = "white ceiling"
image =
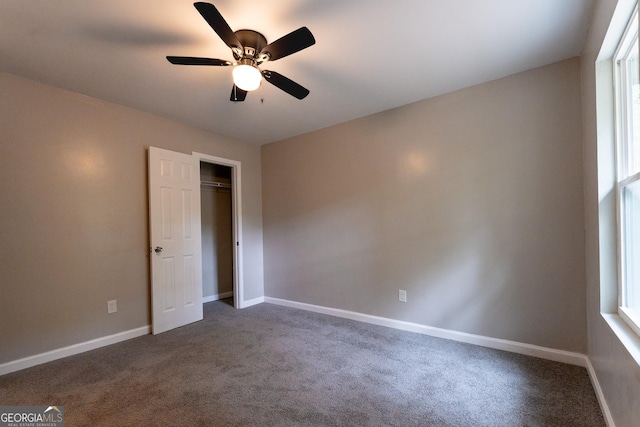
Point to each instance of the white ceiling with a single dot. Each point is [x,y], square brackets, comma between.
[369,56]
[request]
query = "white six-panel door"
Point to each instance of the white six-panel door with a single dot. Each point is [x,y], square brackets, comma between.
[176,252]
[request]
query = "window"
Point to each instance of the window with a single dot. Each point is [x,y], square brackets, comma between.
[627,71]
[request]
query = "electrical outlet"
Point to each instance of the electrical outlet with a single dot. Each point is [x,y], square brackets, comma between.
[112,306]
[402,295]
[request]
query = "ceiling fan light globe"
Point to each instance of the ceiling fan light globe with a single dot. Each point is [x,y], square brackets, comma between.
[247,77]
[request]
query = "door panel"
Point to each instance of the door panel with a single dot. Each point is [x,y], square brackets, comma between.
[176,258]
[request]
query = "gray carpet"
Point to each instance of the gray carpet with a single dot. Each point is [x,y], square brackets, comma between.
[274,366]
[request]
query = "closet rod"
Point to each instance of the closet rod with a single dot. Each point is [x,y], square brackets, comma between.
[215,184]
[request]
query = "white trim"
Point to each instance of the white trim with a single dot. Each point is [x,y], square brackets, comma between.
[496,343]
[71,350]
[630,180]
[631,318]
[236,207]
[217,297]
[627,337]
[606,413]
[251,302]
[627,39]
[627,47]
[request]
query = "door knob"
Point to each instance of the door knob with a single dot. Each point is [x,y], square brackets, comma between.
[158,249]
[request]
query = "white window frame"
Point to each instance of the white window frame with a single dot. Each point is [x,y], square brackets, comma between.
[624,132]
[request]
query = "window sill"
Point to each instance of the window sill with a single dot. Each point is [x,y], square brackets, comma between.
[625,334]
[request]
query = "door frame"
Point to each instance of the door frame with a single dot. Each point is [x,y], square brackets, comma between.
[236,219]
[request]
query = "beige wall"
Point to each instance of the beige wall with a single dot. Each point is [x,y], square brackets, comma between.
[618,374]
[73,208]
[472,202]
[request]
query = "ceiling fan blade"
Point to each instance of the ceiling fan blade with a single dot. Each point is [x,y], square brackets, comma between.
[286,84]
[291,43]
[237,94]
[190,60]
[219,25]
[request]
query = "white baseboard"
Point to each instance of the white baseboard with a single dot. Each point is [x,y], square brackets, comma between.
[496,343]
[217,297]
[49,356]
[606,413]
[249,303]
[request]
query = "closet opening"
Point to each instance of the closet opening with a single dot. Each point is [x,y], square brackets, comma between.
[217,232]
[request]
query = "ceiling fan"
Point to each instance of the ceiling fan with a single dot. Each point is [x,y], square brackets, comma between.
[250,49]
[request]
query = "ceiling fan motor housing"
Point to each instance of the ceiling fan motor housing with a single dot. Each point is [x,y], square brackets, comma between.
[252,42]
